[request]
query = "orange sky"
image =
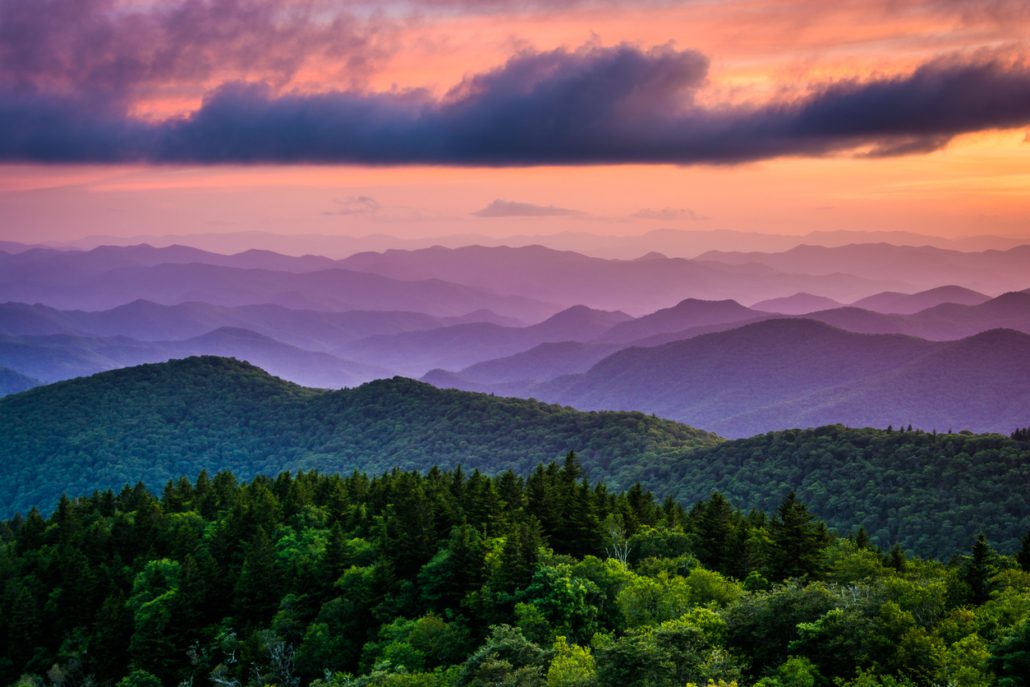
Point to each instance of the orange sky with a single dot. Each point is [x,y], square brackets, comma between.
[759,50]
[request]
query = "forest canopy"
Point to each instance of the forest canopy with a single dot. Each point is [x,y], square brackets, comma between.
[452,578]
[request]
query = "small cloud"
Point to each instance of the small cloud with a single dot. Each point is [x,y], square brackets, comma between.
[510,208]
[355,205]
[669,215]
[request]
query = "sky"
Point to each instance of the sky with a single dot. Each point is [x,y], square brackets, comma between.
[433,117]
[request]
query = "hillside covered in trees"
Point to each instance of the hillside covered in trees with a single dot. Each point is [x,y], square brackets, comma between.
[454,579]
[156,422]
[932,493]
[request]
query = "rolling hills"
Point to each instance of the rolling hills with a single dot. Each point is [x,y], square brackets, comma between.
[153,423]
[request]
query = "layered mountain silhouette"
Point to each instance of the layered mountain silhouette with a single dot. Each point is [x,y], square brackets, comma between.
[800,373]
[149,321]
[798,304]
[57,357]
[636,286]
[414,353]
[892,302]
[106,278]
[924,267]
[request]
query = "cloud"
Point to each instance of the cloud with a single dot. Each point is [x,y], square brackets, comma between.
[355,205]
[176,48]
[669,215]
[595,105]
[510,208]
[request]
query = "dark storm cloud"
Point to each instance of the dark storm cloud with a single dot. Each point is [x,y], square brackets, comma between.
[591,106]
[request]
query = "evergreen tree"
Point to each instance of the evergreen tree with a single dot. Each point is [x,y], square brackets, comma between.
[257,589]
[1023,557]
[979,569]
[798,541]
[715,528]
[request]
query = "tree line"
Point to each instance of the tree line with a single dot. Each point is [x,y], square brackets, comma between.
[452,578]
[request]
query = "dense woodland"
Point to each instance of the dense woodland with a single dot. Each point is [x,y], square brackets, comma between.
[453,578]
[930,492]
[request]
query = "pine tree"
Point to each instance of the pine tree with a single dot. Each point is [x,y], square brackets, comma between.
[1023,557]
[714,528]
[862,539]
[798,541]
[978,570]
[256,593]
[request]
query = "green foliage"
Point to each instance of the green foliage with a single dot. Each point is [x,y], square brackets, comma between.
[1010,657]
[931,493]
[153,423]
[455,579]
[572,666]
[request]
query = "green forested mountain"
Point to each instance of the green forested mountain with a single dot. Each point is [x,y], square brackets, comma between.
[158,422]
[930,492]
[454,579]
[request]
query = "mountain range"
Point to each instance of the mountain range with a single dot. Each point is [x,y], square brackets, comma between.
[155,423]
[681,243]
[802,373]
[923,267]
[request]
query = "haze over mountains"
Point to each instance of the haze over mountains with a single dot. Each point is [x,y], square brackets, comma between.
[836,333]
[679,243]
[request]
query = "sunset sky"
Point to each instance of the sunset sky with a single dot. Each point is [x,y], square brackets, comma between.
[432,117]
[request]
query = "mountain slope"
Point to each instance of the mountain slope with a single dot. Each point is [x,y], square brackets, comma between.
[156,422]
[63,356]
[797,372]
[928,492]
[932,493]
[687,314]
[12,382]
[456,347]
[892,302]
[798,304]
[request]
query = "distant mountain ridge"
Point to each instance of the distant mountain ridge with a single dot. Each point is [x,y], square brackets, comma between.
[800,373]
[169,283]
[57,357]
[414,353]
[924,267]
[798,304]
[684,243]
[909,304]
